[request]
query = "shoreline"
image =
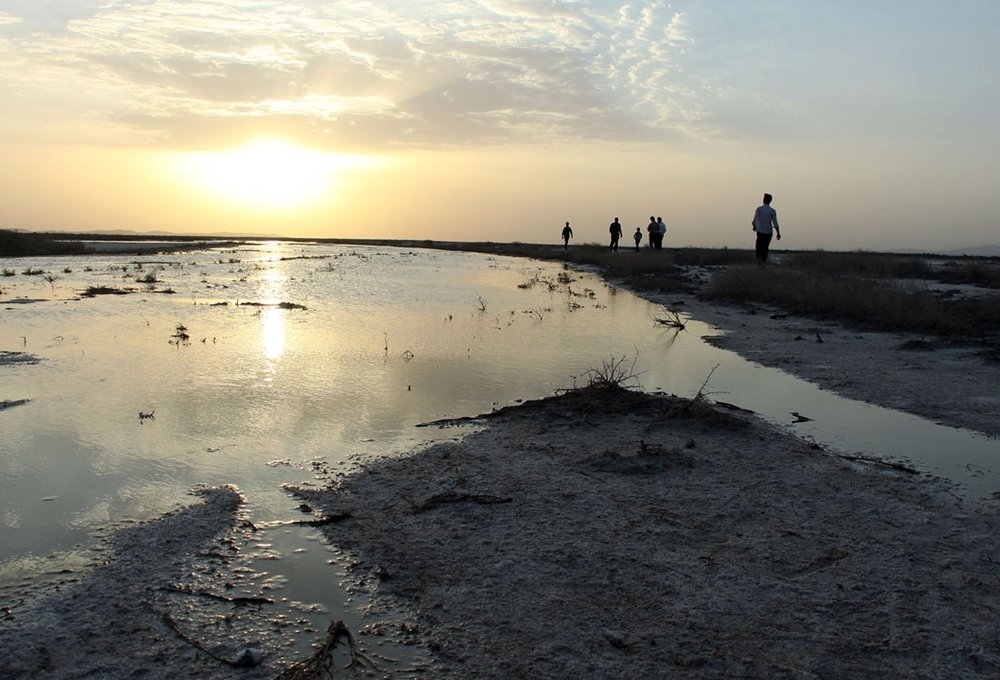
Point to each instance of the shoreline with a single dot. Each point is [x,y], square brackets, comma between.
[949,384]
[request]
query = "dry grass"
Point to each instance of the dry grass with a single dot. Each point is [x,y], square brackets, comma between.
[880,303]
[975,272]
[859,263]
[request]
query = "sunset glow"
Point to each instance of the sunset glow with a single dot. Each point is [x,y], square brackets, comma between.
[270,174]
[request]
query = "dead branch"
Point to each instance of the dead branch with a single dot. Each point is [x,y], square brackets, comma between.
[197,645]
[671,319]
[321,664]
[699,402]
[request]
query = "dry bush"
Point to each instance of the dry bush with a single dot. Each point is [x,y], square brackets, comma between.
[615,373]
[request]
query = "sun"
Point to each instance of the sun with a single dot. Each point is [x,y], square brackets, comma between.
[267,173]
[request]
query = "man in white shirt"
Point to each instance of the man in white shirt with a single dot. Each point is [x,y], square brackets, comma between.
[765,219]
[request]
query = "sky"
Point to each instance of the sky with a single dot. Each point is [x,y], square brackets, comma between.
[872,122]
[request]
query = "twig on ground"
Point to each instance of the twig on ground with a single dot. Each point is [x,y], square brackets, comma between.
[876,461]
[238,663]
[221,598]
[699,403]
[321,664]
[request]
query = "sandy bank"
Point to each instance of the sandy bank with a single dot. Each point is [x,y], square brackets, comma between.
[597,535]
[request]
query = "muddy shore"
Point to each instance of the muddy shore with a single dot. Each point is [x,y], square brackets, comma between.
[603,533]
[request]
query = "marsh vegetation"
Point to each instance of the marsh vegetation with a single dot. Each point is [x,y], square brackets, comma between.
[865,292]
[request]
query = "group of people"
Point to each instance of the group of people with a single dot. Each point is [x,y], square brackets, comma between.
[657,229]
[764,224]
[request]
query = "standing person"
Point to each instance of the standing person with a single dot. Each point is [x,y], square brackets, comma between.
[616,233]
[653,231]
[765,218]
[567,234]
[661,229]
[638,238]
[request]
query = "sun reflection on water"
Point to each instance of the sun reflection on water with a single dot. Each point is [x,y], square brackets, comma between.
[272,320]
[272,317]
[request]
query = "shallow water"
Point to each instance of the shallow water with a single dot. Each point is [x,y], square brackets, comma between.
[263,394]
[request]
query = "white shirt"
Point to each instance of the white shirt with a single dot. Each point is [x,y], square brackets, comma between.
[763,218]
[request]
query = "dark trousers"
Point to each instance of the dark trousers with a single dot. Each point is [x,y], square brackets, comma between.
[763,244]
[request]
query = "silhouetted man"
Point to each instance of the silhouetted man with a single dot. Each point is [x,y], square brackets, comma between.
[616,233]
[765,219]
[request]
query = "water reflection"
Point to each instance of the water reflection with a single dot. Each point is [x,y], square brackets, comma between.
[271,290]
[272,321]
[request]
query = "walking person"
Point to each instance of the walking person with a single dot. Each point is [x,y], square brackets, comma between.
[567,234]
[616,233]
[661,229]
[638,238]
[764,223]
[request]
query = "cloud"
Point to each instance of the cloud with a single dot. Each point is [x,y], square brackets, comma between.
[457,72]
[470,72]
